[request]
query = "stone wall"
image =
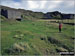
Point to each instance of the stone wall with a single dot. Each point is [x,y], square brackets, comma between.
[14,14]
[11,12]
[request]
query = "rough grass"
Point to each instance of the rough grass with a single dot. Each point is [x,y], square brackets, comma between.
[41,38]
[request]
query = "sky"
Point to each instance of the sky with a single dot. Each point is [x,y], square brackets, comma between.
[64,6]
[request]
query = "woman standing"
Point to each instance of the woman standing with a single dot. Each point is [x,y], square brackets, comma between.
[60,27]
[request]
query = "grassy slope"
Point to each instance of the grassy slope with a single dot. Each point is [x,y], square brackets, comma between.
[33,32]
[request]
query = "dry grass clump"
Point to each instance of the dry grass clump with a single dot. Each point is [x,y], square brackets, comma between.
[18,48]
[60,49]
[21,46]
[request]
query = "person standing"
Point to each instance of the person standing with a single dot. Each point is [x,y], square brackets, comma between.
[60,27]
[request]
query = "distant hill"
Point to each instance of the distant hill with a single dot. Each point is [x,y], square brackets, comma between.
[12,13]
[58,15]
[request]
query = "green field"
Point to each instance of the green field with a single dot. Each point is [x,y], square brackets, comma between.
[35,38]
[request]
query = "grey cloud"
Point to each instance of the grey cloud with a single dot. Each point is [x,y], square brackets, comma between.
[62,6]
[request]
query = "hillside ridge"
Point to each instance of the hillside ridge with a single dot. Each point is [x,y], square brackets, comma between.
[9,12]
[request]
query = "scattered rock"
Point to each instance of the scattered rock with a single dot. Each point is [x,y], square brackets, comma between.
[16,36]
[22,35]
[19,36]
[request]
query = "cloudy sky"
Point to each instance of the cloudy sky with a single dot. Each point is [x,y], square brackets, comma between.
[64,6]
